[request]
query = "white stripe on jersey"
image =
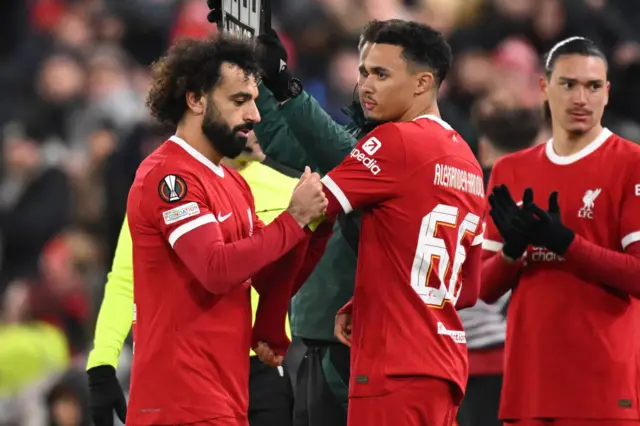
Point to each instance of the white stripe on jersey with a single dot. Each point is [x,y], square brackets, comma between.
[190,226]
[490,245]
[629,239]
[337,192]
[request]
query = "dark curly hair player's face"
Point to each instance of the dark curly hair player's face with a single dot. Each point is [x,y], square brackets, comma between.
[231,111]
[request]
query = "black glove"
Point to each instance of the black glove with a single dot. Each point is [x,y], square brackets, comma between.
[548,230]
[273,61]
[513,223]
[106,396]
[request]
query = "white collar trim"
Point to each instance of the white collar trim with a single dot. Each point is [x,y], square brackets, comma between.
[197,155]
[438,120]
[560,160]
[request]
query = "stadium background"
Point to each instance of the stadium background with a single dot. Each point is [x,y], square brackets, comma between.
[73,127]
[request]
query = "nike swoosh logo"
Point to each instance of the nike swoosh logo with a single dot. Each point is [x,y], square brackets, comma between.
[223,218]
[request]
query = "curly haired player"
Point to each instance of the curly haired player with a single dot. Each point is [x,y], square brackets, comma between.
[198,244]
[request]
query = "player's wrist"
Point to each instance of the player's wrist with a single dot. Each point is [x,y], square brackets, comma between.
[281,90]
[561,240]
[509,257]
[101,374]
[285,87]
[512,252]
[299,219]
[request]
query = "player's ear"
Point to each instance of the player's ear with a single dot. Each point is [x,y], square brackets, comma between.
[425,81]
[607,88]
[196,103]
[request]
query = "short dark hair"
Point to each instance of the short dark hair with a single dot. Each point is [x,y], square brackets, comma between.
[510,130]
[421,45]
[570,46]
[371,30]
[193,65]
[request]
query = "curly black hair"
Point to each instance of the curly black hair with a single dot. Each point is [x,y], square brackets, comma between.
[421,45]
[193,65]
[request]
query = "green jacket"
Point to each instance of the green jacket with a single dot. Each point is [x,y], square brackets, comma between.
[301,133]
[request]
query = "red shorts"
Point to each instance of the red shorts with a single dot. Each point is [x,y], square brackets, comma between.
[421,401]
[572,422]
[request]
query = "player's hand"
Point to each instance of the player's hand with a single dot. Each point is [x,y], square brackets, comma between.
[106,396]
[273,61]
[267,356]
[548,230]
[342,328]
[513,223]
[308,201]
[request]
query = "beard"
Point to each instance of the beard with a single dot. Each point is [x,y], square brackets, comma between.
[227,141]
[576,133]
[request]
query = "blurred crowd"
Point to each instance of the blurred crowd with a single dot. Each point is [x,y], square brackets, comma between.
[73,128]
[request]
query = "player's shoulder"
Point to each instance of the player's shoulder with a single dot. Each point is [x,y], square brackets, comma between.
[385,133]
[432,124]
[415,130]
[623,148]
[169,170]
[621,157]
[424,124]
[432,137]
[166,159]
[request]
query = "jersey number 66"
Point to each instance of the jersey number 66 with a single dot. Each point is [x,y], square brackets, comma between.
[432,276]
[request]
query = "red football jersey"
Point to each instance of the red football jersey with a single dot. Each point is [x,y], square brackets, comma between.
[190,355]
[572,343]
[421,192]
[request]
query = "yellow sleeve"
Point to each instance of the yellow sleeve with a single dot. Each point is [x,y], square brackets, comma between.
[116,311]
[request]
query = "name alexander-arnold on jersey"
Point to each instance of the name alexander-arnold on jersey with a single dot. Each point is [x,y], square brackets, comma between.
[460,180]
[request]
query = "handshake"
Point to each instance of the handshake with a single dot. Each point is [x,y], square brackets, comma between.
[528,224]
[308,202]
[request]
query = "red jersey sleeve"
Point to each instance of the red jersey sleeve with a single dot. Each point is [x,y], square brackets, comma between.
[347,308]
[195,235]
[174,202]
[630,208]
[313,253]
[280,281]
[369,174]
